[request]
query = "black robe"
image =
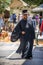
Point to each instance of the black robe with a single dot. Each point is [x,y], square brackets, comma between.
[29,36]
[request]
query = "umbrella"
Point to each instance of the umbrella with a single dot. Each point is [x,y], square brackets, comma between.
[38,9]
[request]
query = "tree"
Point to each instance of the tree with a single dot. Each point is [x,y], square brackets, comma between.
[36,2]
[3,4]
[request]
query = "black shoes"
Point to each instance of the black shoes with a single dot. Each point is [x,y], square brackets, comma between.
[30,57]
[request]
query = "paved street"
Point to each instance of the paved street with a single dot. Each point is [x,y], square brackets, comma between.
[9,57]
[24,18]
[8,49]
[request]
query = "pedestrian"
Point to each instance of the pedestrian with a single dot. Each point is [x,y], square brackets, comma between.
[40,21]
[1,21]
[14,17]
[25,32]
[41,28]
[34,22]
[6,18]
[37,19]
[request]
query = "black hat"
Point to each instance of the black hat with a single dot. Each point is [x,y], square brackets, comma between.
[24,11]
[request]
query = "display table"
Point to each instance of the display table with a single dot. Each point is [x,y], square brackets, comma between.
[40,39]
[5,36]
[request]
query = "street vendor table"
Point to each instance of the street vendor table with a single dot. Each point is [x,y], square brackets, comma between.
[39,39]
[5,38]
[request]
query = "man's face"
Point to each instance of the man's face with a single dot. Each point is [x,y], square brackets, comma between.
[24,16]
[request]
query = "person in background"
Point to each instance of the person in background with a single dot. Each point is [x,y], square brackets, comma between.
[37,19]
[1,21]
[14,18]
[40,21]
[34,22]
[12,21]
[6,18]
[41,28]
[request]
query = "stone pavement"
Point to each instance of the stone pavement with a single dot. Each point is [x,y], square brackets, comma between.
[7,49]
[36,60]
[37,57]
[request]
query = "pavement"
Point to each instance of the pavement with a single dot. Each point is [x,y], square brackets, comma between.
[8,55]
[8,49]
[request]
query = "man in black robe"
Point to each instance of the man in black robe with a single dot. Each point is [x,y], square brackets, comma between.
[25,32]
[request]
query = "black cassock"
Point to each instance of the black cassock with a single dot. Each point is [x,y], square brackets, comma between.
[26,40]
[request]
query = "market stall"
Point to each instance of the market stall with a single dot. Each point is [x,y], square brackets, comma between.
[38,9]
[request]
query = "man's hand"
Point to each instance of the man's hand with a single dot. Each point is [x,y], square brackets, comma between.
[23,32]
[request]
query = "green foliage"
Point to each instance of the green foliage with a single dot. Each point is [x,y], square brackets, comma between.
[3,4]
[36,2]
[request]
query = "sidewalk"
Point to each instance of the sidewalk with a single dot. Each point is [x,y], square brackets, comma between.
[36,60]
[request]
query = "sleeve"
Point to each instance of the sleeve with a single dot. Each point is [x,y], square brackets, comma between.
[16,33]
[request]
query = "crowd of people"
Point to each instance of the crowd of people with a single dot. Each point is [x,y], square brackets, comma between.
[8,20]
[24,30]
